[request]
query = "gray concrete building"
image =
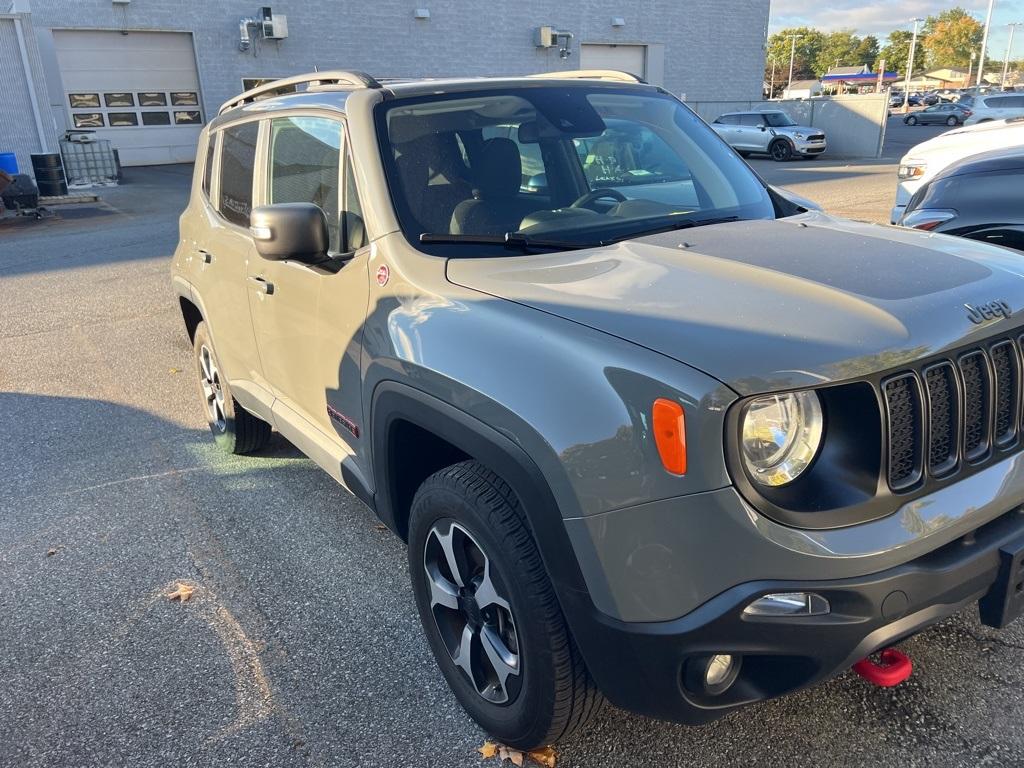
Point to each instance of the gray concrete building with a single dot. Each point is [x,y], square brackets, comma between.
[147,74]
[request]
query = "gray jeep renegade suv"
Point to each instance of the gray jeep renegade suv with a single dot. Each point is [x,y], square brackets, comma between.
[652,433]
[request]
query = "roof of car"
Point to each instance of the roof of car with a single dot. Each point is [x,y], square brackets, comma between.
[987,162]
[340,83]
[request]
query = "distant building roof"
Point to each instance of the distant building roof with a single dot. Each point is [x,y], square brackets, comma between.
[863,69]
[803,85]
[860,78]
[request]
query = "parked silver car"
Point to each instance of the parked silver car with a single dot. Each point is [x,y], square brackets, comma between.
[774,133]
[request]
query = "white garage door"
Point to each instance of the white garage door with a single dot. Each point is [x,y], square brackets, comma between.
[625,58]
[140,90]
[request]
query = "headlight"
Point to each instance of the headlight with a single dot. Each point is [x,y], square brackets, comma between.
[799,136]
[912,170]
[781,436]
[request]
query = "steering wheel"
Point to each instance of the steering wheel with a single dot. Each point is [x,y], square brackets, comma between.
[597,194]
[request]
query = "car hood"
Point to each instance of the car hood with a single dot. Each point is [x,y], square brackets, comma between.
[772,304]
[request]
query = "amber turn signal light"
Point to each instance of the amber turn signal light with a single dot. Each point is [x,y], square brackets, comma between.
[670,434]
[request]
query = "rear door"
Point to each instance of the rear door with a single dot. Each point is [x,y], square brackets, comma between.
[753,133]
[225,249]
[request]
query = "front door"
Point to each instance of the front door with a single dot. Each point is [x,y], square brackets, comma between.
[303,347]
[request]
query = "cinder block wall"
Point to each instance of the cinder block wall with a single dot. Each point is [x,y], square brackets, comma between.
[18,131]
[713,49]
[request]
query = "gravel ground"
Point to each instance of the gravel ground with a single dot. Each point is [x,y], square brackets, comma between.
[300,645]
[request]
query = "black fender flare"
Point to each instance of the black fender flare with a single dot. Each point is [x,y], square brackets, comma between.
[393,401]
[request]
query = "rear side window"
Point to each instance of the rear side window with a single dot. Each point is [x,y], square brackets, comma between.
[211,151]
[728,120]
[237,160]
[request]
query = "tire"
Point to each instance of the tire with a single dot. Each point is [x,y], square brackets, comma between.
[780,150]
[234,428]
[547,693]
[911,120]
[951,121]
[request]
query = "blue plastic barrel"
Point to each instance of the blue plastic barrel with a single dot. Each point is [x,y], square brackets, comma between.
[9,163]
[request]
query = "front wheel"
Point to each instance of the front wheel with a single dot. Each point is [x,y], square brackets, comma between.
[490,613]
[234,428]
[780,150]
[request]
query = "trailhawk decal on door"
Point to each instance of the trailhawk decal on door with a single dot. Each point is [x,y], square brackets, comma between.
[344,420]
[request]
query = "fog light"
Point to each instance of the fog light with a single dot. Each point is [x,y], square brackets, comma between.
[712,675]
[789,604]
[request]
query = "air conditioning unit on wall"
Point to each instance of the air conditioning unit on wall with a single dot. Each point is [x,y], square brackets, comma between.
[274,27]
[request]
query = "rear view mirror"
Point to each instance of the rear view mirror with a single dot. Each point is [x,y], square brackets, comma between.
[295,231]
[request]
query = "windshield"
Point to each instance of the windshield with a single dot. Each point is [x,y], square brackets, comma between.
[569,164]
[778,119]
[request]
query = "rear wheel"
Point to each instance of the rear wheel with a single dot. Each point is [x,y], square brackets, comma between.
[911,120]
[780,150]
[490,613]
[234,428]
[951,120]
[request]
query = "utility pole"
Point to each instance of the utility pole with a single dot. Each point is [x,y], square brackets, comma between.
[792,57]
[771,90]
[910,66]
[984,42]
[1006,60]
[970,69]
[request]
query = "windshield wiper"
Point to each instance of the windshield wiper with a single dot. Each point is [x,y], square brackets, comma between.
[509,240]
[674,225]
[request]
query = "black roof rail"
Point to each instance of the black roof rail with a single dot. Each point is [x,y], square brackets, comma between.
[312,81]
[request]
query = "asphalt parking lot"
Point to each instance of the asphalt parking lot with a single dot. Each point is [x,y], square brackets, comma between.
[300,645]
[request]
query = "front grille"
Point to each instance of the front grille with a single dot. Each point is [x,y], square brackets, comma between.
[816,137]
[903,408]
[952,412]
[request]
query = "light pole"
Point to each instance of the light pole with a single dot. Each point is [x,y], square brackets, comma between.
[1006,60]
[910,66]
[771,89]
[984,41]
[792,57]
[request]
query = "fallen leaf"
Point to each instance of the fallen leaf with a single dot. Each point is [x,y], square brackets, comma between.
[181,592]
[488,750]
[382,527]
[544,756]
[174,370]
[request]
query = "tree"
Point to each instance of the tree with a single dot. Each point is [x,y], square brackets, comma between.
[951,37]
[808,48]
[897,51]
[845,49]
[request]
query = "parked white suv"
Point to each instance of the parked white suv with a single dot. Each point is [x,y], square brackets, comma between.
[993,106]
[924,161]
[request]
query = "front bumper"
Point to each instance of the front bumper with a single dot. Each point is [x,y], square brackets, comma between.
[810,147]
[640,666]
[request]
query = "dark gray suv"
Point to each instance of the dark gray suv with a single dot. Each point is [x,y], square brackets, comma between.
[652,432]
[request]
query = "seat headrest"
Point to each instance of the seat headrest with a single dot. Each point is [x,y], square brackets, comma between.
[500,172]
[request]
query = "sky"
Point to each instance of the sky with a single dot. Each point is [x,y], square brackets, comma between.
[880,17]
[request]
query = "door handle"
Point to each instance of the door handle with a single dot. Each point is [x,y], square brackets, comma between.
[206,256]
[263,285]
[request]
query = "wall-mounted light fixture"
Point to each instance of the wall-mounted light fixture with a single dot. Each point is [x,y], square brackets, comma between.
[421,13]
[618,21]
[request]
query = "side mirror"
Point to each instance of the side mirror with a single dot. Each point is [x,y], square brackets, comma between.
[762,127]
[295,231]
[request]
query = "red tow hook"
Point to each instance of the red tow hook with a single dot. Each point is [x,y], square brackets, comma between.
[892,668]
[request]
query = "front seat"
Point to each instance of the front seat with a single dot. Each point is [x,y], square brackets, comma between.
[493,209]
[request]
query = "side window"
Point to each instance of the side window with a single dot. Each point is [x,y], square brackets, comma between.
[753,120]
[353,229]
[211,151]
[305,156]
[530,157]
[237,160]
[728,120]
